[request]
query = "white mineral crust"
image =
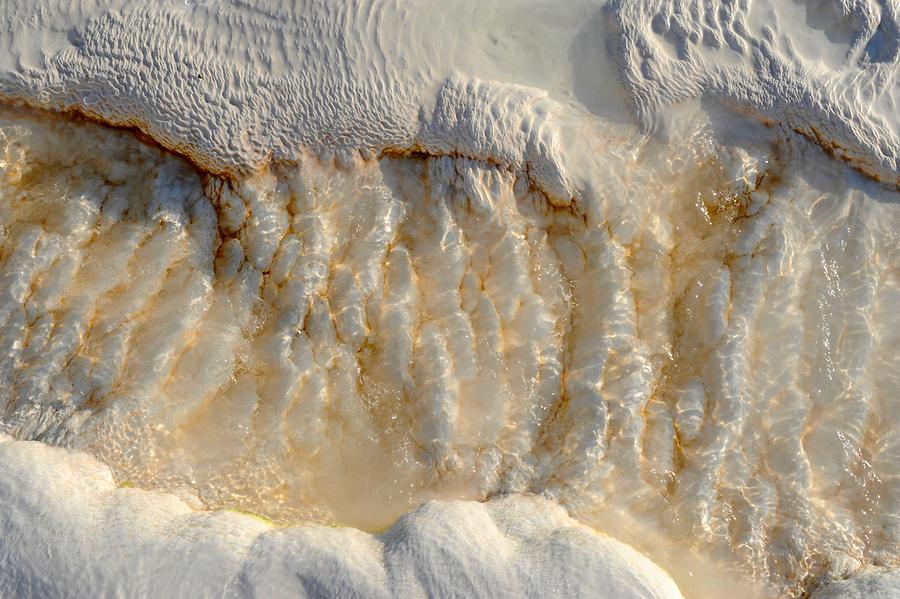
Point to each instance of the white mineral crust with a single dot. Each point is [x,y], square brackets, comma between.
[450,298]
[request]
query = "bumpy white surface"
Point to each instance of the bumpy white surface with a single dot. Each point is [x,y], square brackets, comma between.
[700,338]
[67,529]
[829,69]
[234,85]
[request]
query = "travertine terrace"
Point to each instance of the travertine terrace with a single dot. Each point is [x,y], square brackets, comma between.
[419,300]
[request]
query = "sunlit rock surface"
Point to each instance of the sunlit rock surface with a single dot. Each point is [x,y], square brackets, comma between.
[827,69]
[426,293]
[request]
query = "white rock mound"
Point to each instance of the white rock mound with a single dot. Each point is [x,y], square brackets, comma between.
[68,530]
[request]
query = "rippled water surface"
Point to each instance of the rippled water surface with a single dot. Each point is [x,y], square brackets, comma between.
[700,358]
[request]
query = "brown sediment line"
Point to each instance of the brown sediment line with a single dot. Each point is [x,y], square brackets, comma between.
[841,153]
[140,129]
[200,161]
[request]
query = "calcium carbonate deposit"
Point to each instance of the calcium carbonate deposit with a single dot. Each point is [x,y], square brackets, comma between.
[450,300]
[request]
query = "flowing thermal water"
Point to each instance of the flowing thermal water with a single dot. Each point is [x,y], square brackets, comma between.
[685,336]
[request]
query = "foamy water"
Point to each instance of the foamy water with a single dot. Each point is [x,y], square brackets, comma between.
[475,326]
